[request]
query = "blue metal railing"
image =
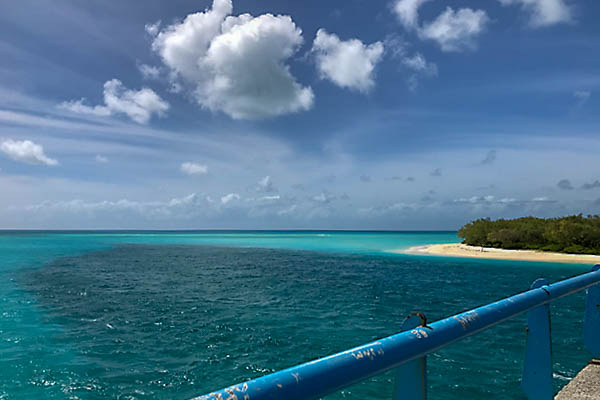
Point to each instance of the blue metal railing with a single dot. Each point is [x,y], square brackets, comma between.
[406,351]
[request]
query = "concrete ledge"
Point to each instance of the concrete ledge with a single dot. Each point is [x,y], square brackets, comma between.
[585,386]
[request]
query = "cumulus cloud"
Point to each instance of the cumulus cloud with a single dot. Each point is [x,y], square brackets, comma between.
[416,64]
[395,45]
[564,184]
[490,200]
[152,29]
[482,199]
[269,198]
[229,198]
[456,30]
[407,12]
[473,204]
[452,30]
[191,168]
[149,71]
[183,207]
[347,63]
[177,208]
[542,199]
[324,198]
[139,105]
[26,151]
[419,64]
[544,12]
[421,68]
[235,64]
[266,185]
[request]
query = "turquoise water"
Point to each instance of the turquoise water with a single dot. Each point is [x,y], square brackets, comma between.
[144,315]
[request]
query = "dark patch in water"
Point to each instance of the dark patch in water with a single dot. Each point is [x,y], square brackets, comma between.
[178,321]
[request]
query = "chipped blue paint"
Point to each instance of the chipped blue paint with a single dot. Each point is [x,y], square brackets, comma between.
[317,378]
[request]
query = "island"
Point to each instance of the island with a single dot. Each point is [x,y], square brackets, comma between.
[571,239]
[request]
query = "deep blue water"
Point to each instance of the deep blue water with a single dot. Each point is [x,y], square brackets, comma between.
[138,315]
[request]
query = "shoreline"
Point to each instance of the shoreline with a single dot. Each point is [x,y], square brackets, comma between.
[462,250]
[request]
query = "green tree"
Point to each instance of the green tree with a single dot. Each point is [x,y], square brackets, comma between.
[571,234]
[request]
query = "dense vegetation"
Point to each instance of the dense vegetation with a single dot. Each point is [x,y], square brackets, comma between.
[574,234]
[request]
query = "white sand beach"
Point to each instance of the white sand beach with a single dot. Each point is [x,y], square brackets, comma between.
[462,250]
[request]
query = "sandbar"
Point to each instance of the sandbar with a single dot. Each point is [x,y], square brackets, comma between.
[462,250]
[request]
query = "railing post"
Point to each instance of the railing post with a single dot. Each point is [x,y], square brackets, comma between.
[591,326]
[537,369]
[410,382]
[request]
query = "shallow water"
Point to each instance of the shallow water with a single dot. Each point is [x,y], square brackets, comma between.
[173,315]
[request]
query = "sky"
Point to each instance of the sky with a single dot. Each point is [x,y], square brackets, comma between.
[280,114]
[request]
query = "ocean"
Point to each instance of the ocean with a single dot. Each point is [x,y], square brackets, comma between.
[172,315]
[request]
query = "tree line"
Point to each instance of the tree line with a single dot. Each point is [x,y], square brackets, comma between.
[573,234]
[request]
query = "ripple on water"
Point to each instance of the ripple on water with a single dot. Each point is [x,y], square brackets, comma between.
[176,321]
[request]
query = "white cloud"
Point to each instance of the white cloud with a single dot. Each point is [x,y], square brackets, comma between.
[389,209]
[490,200]
[544,12]
[582,96]
[477,199]
[452,30]
[26,151]
[324,198]
[236,64]
[288,210]
[101,159]
[78,107]
[176,208]
[269,198]
[417,64]
[152,29]
[407,12]
[229,198]
[456,30]
[191,168]
[149,71]
[266,185]
[183,207]
[421,68]
[350,63]
[139,105]
[542,199]
[395,45]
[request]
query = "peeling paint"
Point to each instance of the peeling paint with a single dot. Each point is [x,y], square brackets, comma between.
[420,333]
[231,394]
[369,353]
[241,389]
[296,376]
[465,319]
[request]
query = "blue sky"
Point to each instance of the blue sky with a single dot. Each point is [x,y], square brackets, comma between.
[404,114]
